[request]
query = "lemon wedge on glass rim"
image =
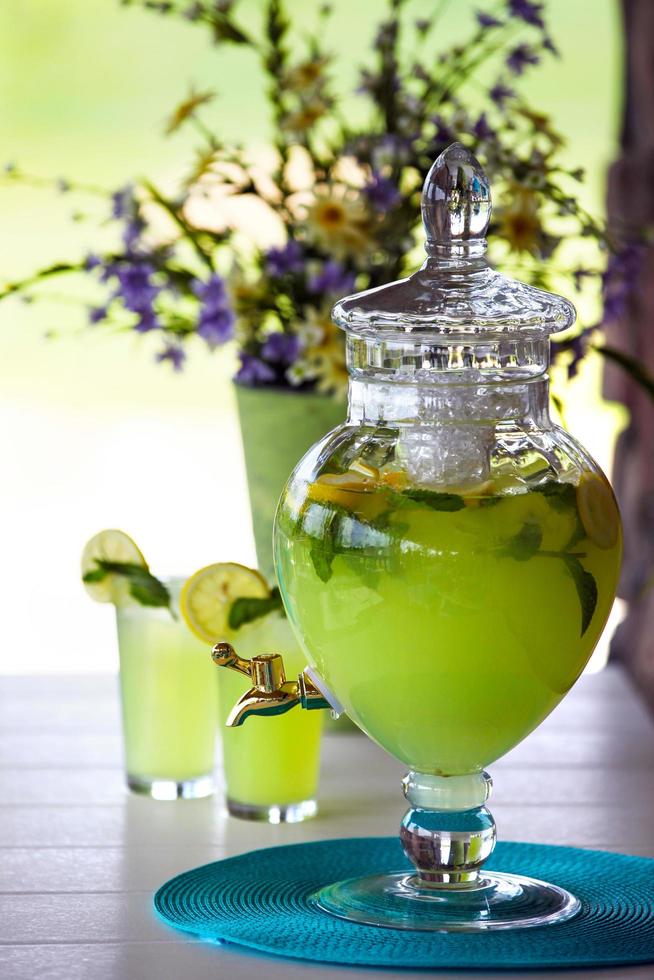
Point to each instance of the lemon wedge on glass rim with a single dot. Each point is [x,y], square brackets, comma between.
[207,596]
[110,546]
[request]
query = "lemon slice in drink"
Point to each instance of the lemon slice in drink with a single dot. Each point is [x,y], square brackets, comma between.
[598,510]
[352,491]
[110,546]
[206,597]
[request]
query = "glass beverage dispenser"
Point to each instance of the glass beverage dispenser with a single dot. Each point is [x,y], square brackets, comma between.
[448,558]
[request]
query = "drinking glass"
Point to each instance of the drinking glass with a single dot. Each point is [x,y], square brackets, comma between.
[169,703]
[271,765]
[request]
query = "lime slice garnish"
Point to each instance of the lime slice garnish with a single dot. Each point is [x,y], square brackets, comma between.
[114,547]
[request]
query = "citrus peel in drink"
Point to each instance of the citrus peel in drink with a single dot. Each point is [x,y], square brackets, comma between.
[598,510]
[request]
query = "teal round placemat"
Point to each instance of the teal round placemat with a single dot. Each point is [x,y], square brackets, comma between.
[262,900]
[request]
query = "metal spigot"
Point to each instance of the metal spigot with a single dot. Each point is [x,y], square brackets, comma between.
[271,693]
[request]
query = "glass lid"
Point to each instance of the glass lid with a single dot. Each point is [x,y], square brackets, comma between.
[455,293]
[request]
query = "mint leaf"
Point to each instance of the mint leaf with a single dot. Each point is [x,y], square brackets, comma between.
[435,500]
[324,545]
[363,547]
[149,591]
[586,589]
[322,540]
[364,568]
[561,496]
[525,543]
[578,534]
[247,608]
[322,553]
[143,586]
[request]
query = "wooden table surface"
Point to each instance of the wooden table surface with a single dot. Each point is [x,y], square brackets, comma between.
[80,858]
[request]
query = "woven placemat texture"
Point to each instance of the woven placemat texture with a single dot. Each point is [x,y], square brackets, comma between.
[262,900]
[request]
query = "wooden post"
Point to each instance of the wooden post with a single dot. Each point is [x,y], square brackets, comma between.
[630,209]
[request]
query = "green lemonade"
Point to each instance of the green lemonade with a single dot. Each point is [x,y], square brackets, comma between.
[448,623]
[273,760]
[169,696]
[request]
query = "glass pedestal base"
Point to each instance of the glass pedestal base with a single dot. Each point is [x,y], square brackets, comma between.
[170,789]
[404,901]
[282,813]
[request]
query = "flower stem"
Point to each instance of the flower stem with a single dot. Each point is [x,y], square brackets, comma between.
[180,221]
[52,270]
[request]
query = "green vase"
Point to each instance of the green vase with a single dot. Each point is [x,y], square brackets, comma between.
[278,426]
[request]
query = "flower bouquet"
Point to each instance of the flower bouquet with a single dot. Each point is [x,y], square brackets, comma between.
[338,198]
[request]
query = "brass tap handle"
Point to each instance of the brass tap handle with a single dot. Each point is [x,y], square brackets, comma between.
[271,693]
[266,670]
[224,655]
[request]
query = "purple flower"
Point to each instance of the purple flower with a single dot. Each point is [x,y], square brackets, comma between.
[132,232]
[135,286]
[482,130]
[147,321]
[620,279]
[614,304]
[254,371]
[174,354]
[109,271]
[212,292]
[282,348]
[578,348]
[280,261]
[216,320]
[92,261]
[486,20]
[123,204]
[500,93]
[216,326]
[444,133]
[520,57]
[382,193]
[528,11]
[333,279]
[97,313]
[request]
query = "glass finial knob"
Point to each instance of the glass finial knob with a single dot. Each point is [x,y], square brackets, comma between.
[456,200]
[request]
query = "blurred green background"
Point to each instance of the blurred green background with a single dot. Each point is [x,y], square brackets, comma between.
[94,433]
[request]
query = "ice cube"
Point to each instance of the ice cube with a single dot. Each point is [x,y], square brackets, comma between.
[450,443]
